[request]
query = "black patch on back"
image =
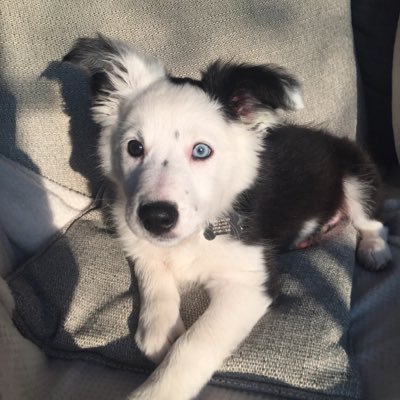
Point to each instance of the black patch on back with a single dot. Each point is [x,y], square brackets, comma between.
[301,178]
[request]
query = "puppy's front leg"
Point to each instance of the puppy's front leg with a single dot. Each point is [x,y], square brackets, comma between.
[159,319]
[233,311]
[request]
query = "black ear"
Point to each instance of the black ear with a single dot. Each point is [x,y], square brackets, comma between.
[115,70]
[96,56]
[93,53]
[252,93]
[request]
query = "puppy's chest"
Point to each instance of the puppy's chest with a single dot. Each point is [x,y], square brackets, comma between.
[221,258]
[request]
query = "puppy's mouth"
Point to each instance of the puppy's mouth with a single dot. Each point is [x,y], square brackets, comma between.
[164,240]
[169,239]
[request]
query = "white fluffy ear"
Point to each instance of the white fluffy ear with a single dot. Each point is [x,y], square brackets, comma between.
[116,70]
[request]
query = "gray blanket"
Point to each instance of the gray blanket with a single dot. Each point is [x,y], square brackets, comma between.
[77,299]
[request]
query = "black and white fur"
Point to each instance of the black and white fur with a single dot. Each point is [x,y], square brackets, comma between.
[287,182]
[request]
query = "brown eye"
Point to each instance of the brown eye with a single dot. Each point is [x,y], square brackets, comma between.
[135,148]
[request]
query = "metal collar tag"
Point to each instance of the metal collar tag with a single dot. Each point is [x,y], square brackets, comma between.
[230,224]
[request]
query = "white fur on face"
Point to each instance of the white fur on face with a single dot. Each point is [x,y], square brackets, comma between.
[169,120]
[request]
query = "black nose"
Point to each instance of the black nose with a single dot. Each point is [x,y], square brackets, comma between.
[158,217]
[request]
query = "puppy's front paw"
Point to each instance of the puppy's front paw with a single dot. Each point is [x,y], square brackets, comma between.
[374,253]
[159,327]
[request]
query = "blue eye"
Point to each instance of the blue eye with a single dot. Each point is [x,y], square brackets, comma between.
[201,151]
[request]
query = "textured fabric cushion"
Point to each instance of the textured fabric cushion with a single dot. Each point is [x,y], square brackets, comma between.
[45,123]
[78,300]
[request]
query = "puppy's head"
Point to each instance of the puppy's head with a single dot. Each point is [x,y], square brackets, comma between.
[179,150]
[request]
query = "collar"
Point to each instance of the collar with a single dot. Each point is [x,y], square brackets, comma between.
[227,224]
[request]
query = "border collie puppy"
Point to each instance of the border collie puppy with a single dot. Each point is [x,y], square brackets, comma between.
[209,187]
